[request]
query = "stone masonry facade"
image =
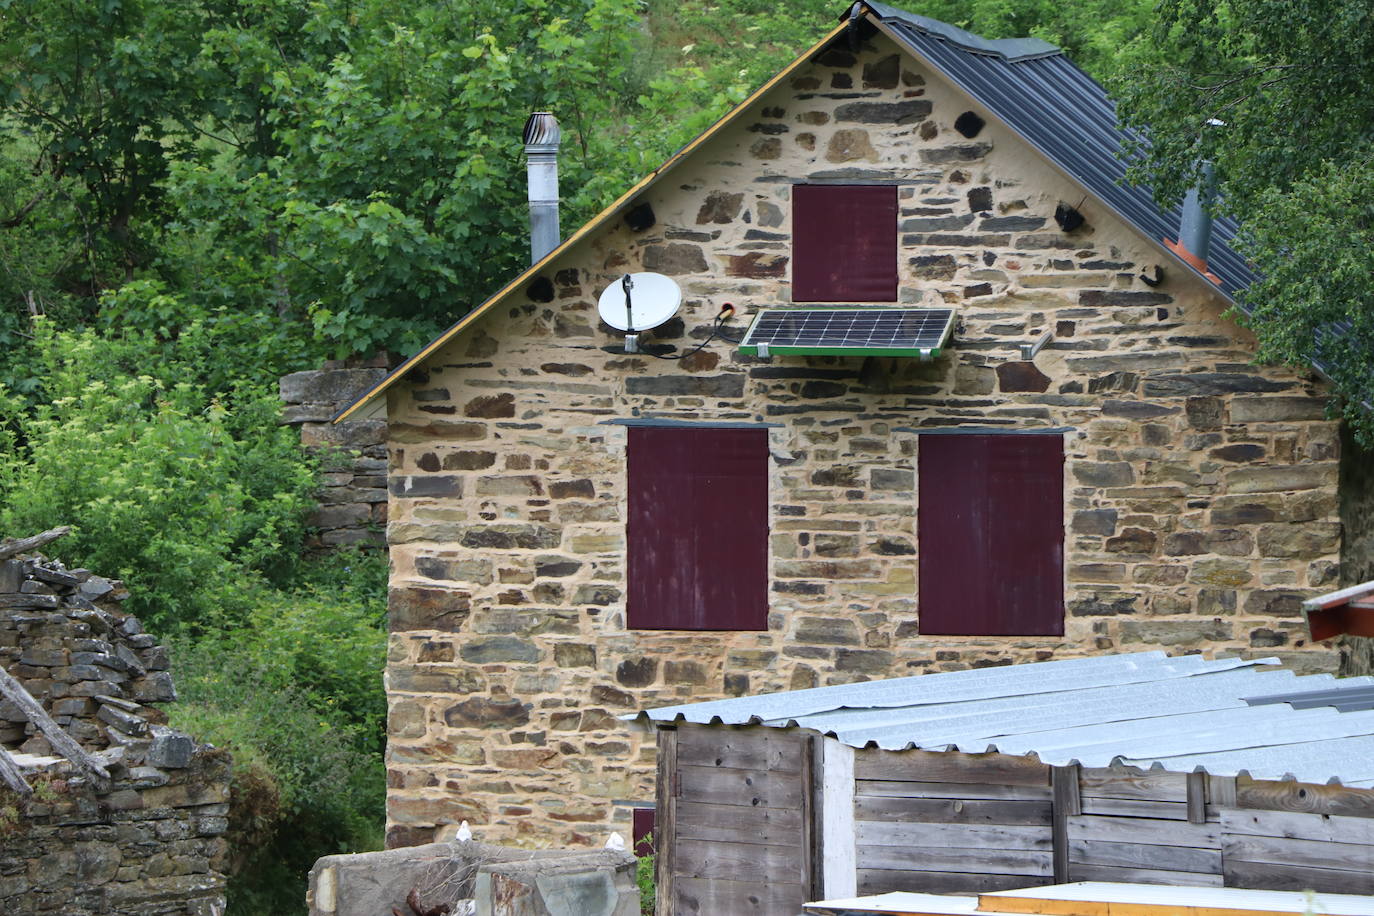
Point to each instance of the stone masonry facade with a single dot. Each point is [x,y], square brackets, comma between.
[351,510]
[1200,489]
[149,841]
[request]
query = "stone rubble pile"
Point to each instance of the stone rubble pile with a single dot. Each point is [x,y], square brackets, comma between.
[148,841]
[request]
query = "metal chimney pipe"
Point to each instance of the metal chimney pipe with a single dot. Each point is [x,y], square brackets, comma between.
[542,136]
[1195,227]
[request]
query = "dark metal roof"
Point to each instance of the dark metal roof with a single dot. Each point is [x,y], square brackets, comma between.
[1355,696]
[1063,113]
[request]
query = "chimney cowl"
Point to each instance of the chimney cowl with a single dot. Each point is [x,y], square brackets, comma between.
[542,130]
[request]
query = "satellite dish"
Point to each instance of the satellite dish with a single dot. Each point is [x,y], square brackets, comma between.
[639,302]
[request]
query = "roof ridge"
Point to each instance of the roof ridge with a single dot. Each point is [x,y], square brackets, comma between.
[1009,49]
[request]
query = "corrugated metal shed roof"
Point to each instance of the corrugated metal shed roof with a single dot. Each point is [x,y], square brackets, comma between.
[1150,710]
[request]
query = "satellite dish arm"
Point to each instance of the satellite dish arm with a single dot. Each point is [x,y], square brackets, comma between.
[627,284]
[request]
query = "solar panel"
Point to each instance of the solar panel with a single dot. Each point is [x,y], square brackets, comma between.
[849,331]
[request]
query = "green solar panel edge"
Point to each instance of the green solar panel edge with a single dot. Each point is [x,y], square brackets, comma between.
[783,350]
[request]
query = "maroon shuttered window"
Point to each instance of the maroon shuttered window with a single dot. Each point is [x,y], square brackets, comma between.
[697,529]
[844,243]
[642,828]
[991,529]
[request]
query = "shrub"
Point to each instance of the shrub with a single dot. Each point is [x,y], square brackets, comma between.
[186,494]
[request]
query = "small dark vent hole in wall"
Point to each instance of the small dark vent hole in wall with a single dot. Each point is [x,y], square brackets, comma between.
[640,217]
[541,290]
[969,124]
[1067,217]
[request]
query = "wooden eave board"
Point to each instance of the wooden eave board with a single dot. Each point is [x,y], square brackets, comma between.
[1094,898]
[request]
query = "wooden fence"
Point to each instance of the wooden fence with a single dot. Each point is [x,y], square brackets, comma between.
[756,820]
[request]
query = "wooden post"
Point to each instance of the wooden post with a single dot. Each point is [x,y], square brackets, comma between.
[1197,798]
[1067,803]
[665,820]
[812,815]
[61,742]
[836,850]
[11,775]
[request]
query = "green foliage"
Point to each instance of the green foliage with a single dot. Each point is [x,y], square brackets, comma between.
[1290,82]
[644,878]
[183,493]
[295,694]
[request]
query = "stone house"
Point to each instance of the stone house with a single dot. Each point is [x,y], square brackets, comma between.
[577,531]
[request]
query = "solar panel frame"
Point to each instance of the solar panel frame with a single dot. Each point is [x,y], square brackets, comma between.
[849,331]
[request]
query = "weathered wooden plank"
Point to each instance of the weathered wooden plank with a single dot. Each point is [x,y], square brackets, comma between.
[1297,796]
[1095,828]
[837,848]
[1139,855]
[811,826]
[702,897]
[665,822]
[1064,783]
[1081,872]
[1221,791]
[1010,812]
[741,862]
[11,775]
[745,788]
[1125,807]
[1101,782]
[1197,798]
[1068,801]
[881,881]
[733,824]
[992,836]
[1269,877]
[10,547]
[937,766]
[749,748]
[953,858]
[1284,851]
[904,789]
[1298,825]
[63,743]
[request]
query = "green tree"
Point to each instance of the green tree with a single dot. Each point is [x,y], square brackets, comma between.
[1276,94]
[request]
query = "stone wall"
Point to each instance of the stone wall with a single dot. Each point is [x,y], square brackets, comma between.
[1200,490]
[149,841]
[352,504]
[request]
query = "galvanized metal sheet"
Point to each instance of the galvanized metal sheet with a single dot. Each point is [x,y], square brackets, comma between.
[1146,710]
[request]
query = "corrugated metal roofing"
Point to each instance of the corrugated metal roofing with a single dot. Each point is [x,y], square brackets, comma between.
[1183,713]
[1063,113]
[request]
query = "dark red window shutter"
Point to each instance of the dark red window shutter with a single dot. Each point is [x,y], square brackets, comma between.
[991,532]
[643,831]
[844,243]
[697,530]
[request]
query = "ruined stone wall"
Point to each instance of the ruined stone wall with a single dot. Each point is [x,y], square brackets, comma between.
[1201,490]
[352,502]
[149,842]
